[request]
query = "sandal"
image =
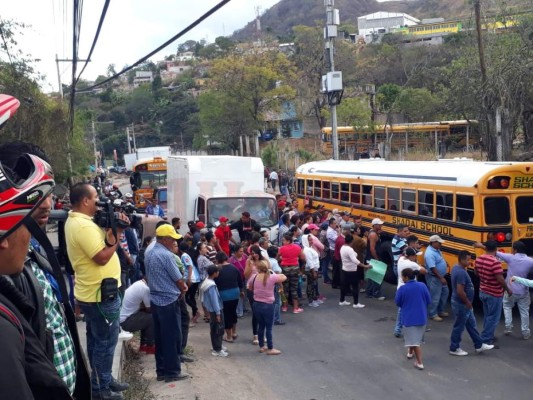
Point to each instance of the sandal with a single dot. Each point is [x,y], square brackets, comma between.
[410,355]
[206,319]
[227,340]
[235,336]
[255,341]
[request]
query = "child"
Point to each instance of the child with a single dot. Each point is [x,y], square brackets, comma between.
[312,266]
[414,299]
[272,256]
[213,304]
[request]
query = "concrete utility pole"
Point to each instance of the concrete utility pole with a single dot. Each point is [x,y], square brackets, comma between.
[94,145]
[332,82]
[128,139]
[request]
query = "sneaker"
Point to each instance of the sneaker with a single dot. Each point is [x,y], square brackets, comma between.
[443,314]
[436,318]
[419,366]
[344,303]
[362,290]
[526,336]
[107,395]
[458,352]
[221,353]
[279,323]
[507,331]
[319,301]
[358,305]
[322,298]
[187,359]
[484,347]
[125,336]
[398,334]
[284,308]
[273,352]
[314,304]
[298,310]
[381,298]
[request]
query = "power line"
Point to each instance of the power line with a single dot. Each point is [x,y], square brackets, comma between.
[172,39]
[100,23]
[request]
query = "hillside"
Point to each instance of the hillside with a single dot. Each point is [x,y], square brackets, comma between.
[280,18]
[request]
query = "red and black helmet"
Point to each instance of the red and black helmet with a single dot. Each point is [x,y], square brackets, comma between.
[22,189]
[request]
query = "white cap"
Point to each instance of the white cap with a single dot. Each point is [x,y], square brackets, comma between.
[377,221]
[117,202]
[436,238]
[335,211]
[128,195]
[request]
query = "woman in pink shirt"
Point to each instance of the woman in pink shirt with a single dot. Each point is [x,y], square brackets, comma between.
[262,285]
[250,272]
[290,255]
[238,259]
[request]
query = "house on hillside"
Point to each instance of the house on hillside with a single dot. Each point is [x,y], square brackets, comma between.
[142,77]
[283,124]
[372,27]
[172,69]
[185,56]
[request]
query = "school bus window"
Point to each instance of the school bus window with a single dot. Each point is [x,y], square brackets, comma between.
[497,210]
[379,197]
[393,197]
[524,210]
[445,206]
[425,203]
[309,184]
[355,194]
[301,186]
[335,191]
[408,200]
[465,208]
[345,192]
[326,192]
[317,187]
[367,195]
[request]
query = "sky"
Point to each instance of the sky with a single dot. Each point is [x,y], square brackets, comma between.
[132,29]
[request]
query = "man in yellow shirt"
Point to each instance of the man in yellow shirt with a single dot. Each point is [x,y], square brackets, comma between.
[92,252]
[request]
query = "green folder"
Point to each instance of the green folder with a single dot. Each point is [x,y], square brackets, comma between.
[377,272]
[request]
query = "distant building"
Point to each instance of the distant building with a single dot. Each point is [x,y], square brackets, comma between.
[373,26]
[185,56]
[142,77]
[284,123]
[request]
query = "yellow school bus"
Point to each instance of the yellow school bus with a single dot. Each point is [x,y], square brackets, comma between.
[463,201]
[149,177]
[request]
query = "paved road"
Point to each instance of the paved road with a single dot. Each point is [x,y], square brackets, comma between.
[342,353]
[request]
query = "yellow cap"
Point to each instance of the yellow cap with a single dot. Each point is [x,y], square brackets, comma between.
[167,230]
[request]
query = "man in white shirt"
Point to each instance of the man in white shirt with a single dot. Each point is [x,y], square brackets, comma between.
[273,179]
[407,260]
[331,235]
[135,314]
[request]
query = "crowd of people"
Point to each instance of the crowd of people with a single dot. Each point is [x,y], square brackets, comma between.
[122,284]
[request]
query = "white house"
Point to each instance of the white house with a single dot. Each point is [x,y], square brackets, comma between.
[375,25]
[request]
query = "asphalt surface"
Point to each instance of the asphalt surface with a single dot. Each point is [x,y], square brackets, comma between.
[334,352]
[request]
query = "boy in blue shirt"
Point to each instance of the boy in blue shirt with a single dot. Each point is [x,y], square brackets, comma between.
[213,304]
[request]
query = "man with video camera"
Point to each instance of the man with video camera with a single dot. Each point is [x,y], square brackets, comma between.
[91,248]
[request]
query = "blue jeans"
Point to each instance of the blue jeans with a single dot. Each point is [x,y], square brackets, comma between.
[277,304]
[523,302]
[240,307]
[167,333]
[102,337]
[373,289]
[492,312]
[398,326]
[439,295]
[324,265]
[264,313]
[464,318]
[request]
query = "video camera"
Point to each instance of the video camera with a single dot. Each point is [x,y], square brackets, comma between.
[107,218]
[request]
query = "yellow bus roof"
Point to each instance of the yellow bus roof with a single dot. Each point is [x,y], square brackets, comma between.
[398,128]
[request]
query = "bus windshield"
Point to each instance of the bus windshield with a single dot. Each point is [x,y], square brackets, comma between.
[261,209]
[153,179]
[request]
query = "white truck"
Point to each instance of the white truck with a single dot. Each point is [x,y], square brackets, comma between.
[208,187]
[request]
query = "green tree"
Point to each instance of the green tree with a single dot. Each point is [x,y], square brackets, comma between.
[354,112]
[418,105]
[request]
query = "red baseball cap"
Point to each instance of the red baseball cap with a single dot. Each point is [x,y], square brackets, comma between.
[200,225]
[223,219]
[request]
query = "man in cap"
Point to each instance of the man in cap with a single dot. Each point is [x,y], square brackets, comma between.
[223,235]
[436,270]
[166,285]
[155,209]
[373,289]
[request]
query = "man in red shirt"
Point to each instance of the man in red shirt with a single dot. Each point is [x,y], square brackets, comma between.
[223,235]
[491,287]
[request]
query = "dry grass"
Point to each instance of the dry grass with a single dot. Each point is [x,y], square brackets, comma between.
[134,374]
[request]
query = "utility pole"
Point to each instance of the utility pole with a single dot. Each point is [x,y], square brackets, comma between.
[133,134]
[94,145]
[332,82]
[59,78]
[128,138]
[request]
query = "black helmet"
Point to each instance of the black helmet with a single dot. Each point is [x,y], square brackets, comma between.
[22,189]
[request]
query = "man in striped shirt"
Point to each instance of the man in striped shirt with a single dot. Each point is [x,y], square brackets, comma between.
[398,245]
[491,288]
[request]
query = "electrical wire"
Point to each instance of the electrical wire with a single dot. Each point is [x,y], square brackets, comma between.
[95,40]
[172,39]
